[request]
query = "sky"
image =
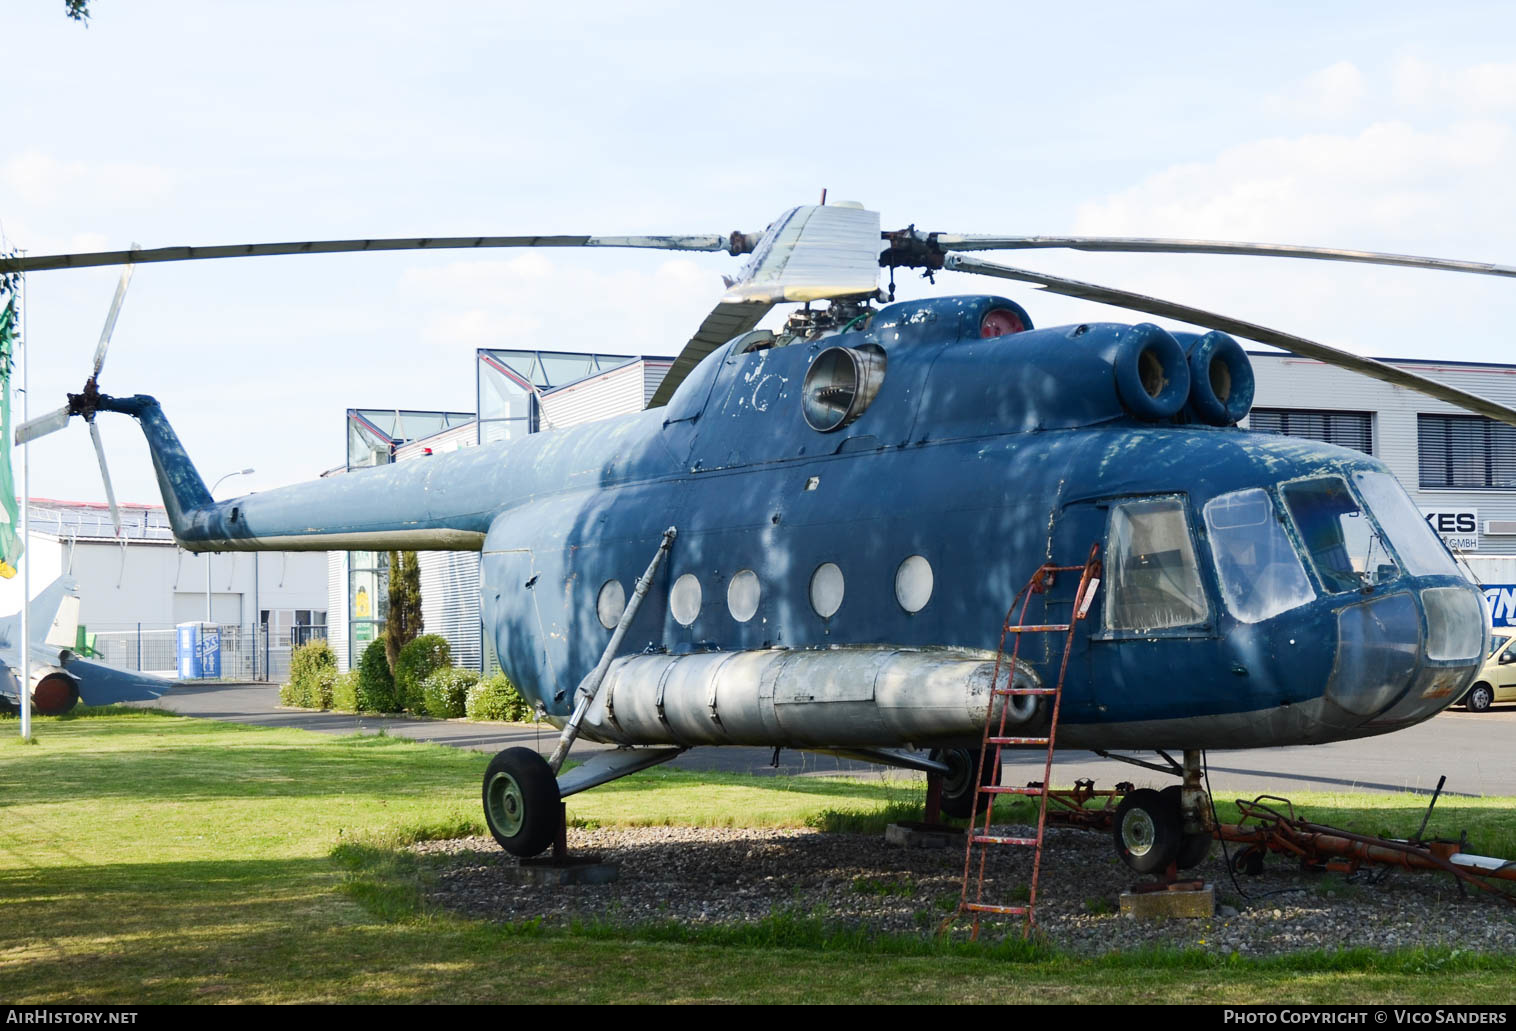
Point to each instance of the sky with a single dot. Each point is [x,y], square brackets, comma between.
[1377,126]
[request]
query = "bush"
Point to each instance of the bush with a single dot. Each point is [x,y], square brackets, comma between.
[312,668]
[376,687]
[496,698]
[446,692]
[324,688]
[345,692]
[418,660]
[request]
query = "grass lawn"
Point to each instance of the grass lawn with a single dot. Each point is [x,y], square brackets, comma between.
[148,858]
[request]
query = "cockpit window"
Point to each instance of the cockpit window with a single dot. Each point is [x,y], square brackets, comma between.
[1419,548]
[1259,570]
[1152,577]
[1346,549]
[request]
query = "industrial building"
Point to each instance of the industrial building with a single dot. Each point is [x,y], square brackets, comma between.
[136,588]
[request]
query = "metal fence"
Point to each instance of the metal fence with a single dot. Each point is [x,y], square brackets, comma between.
[248,652]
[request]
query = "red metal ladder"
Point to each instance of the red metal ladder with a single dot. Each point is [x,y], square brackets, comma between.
[981,837]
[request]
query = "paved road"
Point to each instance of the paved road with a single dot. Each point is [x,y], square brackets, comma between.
[1475,751]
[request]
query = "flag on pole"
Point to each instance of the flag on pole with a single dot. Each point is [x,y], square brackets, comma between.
[10,539]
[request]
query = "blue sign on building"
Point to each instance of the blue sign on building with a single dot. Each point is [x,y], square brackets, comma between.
[1501,598]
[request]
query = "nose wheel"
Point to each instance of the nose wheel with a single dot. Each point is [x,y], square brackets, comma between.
[521,802]
[1149,832]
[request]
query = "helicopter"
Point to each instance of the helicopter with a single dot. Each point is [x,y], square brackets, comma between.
[830,519]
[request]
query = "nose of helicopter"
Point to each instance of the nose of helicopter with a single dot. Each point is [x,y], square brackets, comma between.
[1405,655]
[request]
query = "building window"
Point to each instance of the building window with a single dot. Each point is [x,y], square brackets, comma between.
[1345,429]
[1466,451]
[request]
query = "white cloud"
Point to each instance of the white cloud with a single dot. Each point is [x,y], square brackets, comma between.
[1312,188]
[42,181]
[563,302]
[1390,187]
[1488,87]
[1333,92]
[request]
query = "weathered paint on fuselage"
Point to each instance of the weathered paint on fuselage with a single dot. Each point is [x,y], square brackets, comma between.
[985,456]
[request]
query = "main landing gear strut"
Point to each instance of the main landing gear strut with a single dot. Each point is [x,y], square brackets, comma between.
[523,793]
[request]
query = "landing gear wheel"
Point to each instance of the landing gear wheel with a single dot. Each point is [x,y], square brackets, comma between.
[521,802]
[1479,698]
[1193,848]
[958,781]
[1147,832]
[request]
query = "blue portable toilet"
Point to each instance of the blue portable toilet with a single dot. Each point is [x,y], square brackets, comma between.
[199,651]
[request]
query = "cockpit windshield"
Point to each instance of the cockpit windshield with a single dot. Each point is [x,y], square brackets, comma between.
[1419,548]
[1345,548]
[1257,566]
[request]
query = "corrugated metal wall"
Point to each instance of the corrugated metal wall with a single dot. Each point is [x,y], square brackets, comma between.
[611,393]
[450,602]
[653,371]
[1284,381]
[336,606]
[449,579]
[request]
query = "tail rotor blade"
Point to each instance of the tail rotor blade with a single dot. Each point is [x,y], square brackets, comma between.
[105,474]
[110,318]
[42,425]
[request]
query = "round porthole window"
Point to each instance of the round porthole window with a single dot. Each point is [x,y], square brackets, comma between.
[913,583]
[684,599]
[742,596]
[610,604]
[826,590]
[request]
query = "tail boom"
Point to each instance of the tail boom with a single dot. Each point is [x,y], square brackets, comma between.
[394,507]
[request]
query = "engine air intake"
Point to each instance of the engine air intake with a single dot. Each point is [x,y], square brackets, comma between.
[840,384]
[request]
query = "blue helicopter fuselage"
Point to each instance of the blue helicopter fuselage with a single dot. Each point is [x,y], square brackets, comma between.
[1234,609]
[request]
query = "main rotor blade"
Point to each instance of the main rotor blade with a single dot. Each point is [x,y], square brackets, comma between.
[42,425]
[723,323]
[736,243]
[105,474]
[1252,331]
[1146,245]
[810,253]
[110,318]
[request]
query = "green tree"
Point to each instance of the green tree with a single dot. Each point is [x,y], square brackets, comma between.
[403,624]
[77,9]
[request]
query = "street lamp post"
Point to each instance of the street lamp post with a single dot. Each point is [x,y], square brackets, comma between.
[241,472]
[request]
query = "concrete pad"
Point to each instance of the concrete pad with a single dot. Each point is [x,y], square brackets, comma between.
[923,835]
[545,873]
[1165,905]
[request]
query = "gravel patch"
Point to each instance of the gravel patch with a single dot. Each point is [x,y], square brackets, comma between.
[705,875]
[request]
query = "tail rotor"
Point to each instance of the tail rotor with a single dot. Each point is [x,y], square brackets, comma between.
[87,402]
